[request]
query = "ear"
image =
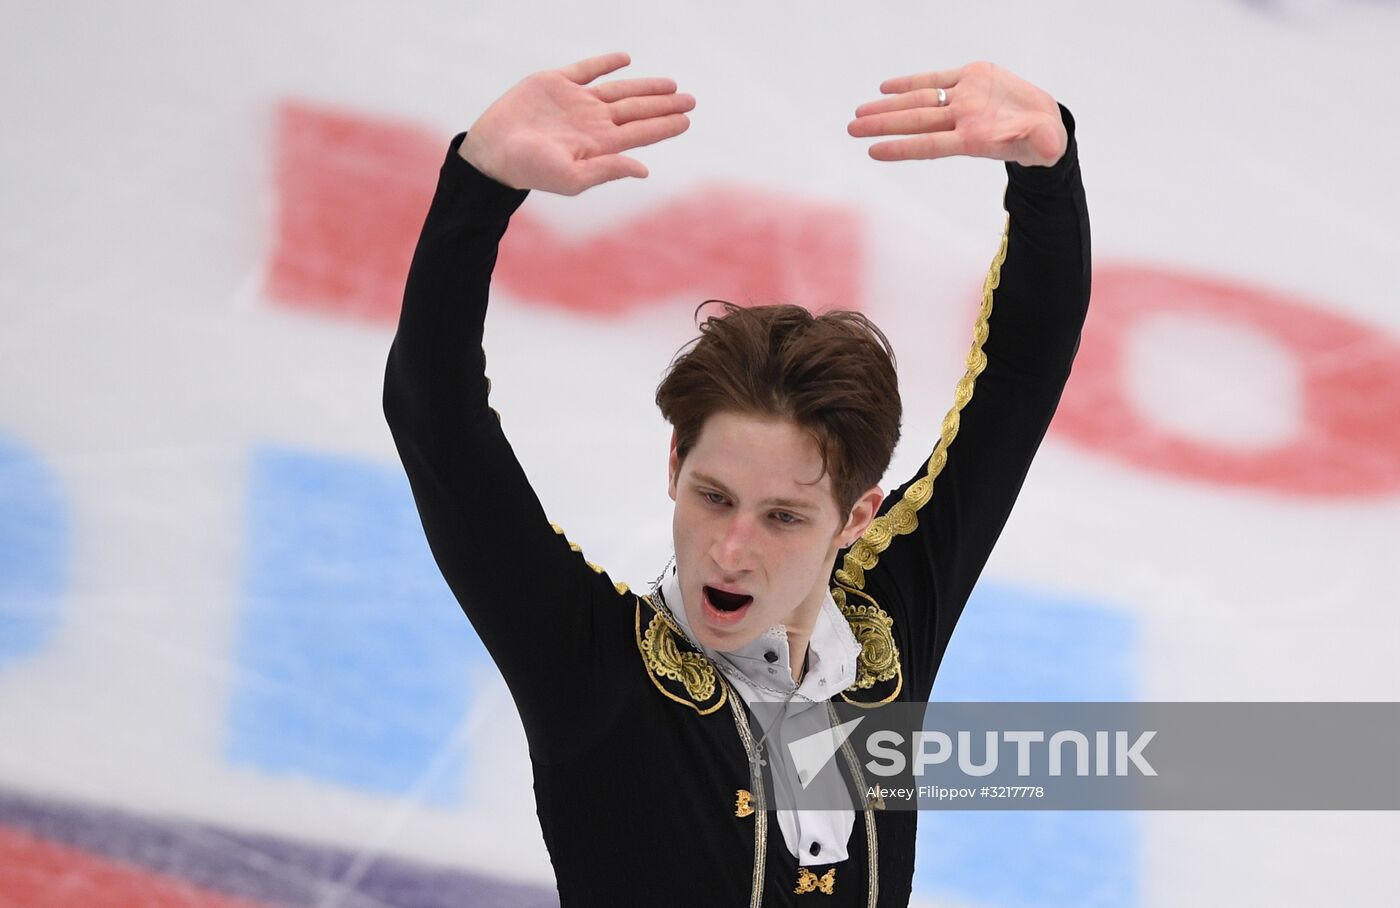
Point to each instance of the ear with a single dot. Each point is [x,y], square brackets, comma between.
[862,513]
[673,468]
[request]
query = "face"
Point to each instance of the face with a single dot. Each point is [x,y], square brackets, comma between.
[755,537]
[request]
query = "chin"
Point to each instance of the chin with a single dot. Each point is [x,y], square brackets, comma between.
[736,639]
[720,638]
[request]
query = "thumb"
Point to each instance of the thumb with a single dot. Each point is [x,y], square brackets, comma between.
[608,167]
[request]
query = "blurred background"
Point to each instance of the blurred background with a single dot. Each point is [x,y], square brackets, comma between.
[230,673]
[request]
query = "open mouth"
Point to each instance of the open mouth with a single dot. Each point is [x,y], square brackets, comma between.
[725,601]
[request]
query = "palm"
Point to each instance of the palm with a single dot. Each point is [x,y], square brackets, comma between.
[990,113]
[562,123]
[555,132]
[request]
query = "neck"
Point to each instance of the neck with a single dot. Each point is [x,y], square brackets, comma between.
[803,619]
[797,653]
[799,633]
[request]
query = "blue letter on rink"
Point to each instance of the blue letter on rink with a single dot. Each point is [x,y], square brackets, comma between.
[355,663]
[34,552]
[1017,644]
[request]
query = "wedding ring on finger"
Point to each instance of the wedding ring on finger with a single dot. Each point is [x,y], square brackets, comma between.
[942,97]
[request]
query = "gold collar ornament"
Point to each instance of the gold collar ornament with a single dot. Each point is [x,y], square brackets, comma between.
[681,672]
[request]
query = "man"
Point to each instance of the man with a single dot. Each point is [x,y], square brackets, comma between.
[796,581]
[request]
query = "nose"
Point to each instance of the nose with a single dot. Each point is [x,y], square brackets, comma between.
[733,550]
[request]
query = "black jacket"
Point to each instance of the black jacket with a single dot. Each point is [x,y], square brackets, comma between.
[638,747]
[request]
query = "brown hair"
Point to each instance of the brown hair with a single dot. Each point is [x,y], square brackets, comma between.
[832,374]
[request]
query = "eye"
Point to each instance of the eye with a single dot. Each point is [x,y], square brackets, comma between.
[787,519]
[713,497]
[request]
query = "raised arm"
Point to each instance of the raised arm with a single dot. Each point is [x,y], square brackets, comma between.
[925,552]
[527,591]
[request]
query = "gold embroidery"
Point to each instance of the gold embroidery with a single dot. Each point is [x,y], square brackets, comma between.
[879,657]
[902,517]
[742,805]
[807,881]
[665,659]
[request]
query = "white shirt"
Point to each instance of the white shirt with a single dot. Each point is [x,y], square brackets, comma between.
[831,667]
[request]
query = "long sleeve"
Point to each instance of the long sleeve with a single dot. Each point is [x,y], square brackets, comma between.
[937,530]
[529,594]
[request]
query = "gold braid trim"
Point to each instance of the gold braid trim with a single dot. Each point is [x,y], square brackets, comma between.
[574,547]
[902,518]
[872,625]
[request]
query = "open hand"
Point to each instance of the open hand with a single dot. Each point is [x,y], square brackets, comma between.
[990,113]
[554,132]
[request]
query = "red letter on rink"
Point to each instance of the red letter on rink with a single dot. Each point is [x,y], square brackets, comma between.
[723,241]
[351,195]
[1349,441]
[352,192]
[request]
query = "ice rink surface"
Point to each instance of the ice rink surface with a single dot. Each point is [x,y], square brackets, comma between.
[230,673]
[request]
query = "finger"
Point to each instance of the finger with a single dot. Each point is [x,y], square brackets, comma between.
[943,78]
[902,122]
[630,109]
[934,145]
[628,88]
[585,71]
[647,132]
[921,97]
[610,167]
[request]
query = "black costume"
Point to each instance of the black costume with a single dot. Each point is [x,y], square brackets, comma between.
[640,748]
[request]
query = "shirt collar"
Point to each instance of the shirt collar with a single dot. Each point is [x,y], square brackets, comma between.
[831,658]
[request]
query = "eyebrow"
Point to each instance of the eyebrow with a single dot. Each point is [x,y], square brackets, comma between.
[794,503]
